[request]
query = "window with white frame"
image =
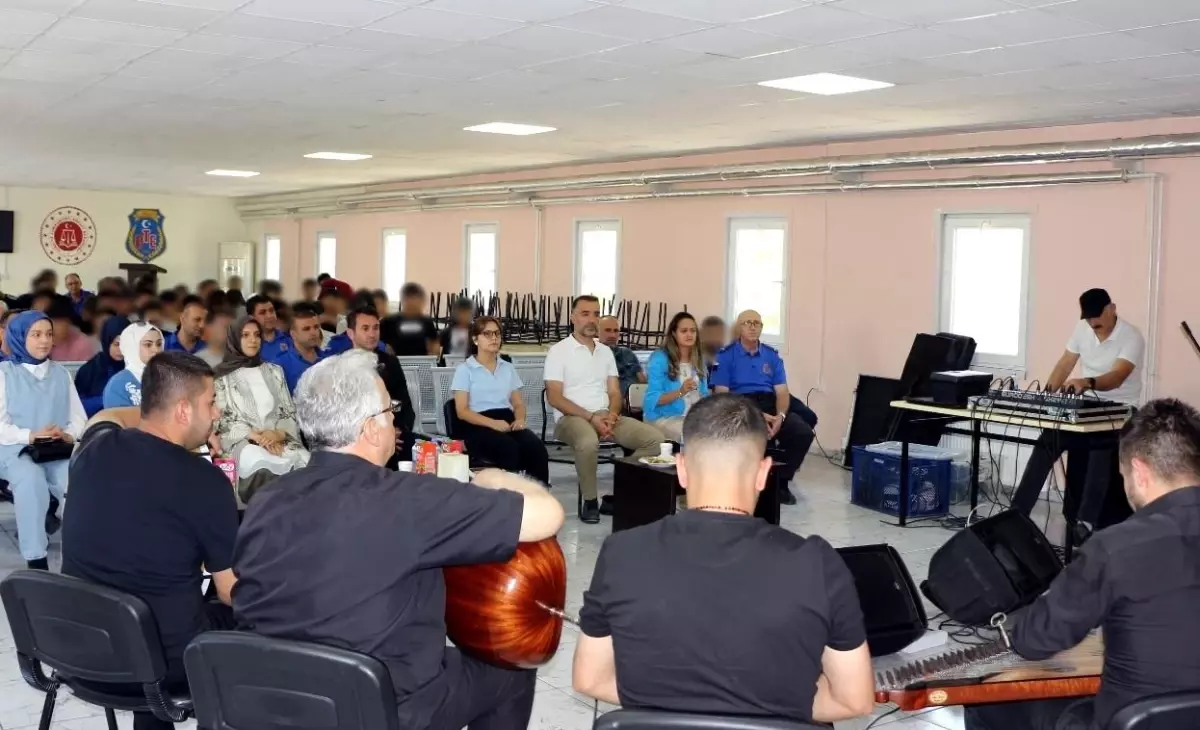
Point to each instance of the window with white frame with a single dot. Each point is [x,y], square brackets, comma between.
[395,252]
[757,271]
[480,274]
[327,254]
[273,257]
[597,258]
[985,265]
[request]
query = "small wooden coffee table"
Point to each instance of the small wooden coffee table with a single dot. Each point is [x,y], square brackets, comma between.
[643,494]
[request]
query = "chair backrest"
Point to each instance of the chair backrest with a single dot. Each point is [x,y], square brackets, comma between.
[637,396]
[643,356]
[529,359]
[419,368]
[414,396]
[657,720]
[453,361]
[82,630]
[442,377]
[1171,711]
[73,366]
[242,681]
[531,394]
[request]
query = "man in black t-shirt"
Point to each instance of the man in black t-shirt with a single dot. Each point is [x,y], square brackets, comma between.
[715,611]
[410,332]
[362,326]
[347,553]
[147,513]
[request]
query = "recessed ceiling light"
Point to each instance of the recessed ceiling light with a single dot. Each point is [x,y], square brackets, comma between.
[231,173]
[509,128]
[826,84]
[343,156]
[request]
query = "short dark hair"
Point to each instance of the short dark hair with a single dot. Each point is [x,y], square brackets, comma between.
[304,310]
[412,289]
[309,282]
[462,303]
[171,376]
[712,320]
[145,287]
[362,298]
[189,300]
[60,308]
[322,277]
[254,302]
[270,287]
[584,298]
[360,311]
[150,304]
[216,312]
[1164,433]
[379,294]
[724,417]
[206,282]
[168,297]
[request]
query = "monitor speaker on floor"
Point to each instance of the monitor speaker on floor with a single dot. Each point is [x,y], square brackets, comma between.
[892,609]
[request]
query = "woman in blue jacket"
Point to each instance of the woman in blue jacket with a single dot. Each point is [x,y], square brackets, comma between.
[676,378]
[93,377]
[139,342]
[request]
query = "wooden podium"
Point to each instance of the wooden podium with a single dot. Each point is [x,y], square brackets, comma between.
[136,271]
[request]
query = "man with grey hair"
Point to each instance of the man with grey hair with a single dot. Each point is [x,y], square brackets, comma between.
[715,611]
[348,553]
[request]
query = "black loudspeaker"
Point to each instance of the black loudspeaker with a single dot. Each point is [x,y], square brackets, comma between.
[996,565]
[892,608]
[6,231]
[872,413]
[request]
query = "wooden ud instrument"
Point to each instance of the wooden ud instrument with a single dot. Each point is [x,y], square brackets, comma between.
[973,675]
[509,614]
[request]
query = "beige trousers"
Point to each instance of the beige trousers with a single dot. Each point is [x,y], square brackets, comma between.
[672,428]
[585,442]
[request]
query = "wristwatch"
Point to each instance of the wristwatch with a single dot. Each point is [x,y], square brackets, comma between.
[1091,383]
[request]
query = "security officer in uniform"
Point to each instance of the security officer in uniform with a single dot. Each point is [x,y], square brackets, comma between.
[751,368]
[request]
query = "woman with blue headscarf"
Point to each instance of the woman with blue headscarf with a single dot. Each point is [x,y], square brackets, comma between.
[95,373]
[37,401]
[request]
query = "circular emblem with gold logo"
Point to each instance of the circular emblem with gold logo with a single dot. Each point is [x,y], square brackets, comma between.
[68,235]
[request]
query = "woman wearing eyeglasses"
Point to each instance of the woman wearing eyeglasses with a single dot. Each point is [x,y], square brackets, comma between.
[490,410]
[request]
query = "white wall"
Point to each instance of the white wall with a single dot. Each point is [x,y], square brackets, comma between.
[194,227]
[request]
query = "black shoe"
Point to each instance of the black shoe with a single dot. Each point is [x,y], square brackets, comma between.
[39,564]
[53,524]
[786,496]
[589,512]
[606,505]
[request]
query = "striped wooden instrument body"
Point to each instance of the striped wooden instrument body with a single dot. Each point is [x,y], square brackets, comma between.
[497,612]
[973,675]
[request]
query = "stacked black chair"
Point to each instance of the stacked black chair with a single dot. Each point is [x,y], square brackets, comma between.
[659,720]
[1172,711]
[101,643]
[242,681]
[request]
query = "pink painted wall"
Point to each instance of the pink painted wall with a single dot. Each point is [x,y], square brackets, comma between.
[864,267]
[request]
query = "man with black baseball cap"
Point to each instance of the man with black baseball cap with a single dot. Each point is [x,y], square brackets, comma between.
[1109,351]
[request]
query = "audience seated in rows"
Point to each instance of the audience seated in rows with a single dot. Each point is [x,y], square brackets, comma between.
[583,388]
[70,343]
[189,335]
[78,295]
[490,409]
[676,378]
[37,402]
[257,425]
[274,340]
[216,334]
[713,610]
[713,337]
[410,332]
[151,529]
[363,327]
[93,377]
[629,368]
[306,344]
[456,336]
[138,342]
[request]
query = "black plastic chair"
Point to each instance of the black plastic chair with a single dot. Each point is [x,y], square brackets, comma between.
[94,640]
[659,720]
[242,681]
[1171,711]
[450,415]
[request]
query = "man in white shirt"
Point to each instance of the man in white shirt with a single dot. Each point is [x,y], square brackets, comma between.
[1109,351]
[583,388]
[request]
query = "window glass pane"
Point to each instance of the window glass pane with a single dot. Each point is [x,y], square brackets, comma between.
[985,293]
[273,258]
[758,271]
[395,251]
[481,261]
[597,263]
[327,255]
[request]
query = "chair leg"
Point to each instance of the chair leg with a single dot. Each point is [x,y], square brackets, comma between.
[48,706]
[111,717]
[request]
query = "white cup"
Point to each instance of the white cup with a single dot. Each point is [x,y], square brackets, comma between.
[406,466]
[666,449]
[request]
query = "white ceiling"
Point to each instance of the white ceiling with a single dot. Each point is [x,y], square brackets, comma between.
[149,94]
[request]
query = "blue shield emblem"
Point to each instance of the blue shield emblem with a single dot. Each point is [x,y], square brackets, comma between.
[146,239]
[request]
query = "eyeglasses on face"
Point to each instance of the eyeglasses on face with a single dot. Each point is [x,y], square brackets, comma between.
[394,408]
[752,323]
[490,334]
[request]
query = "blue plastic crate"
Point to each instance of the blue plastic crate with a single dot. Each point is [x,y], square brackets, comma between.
[876,484]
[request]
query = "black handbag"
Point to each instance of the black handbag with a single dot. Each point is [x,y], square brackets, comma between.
[42,451]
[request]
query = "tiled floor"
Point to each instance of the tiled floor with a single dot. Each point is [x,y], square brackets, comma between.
[823,509]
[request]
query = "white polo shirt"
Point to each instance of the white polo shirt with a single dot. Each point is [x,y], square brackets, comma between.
[1097,358]
[583,373]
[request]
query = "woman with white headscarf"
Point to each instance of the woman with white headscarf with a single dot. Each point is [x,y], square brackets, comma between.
[258,420]
[138,342]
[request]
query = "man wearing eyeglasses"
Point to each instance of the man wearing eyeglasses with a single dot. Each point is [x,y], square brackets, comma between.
[749,367]
[362,326]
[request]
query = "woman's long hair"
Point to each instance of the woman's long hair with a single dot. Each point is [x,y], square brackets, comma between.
[672,348]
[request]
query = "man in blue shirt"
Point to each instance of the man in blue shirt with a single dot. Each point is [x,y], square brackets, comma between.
[275,341]
[306,344]
[189,335]
[751,368]
[79,295]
